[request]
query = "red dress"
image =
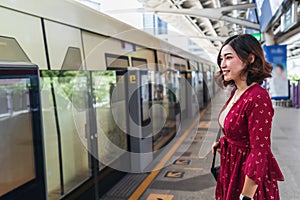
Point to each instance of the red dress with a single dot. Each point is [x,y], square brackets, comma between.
[246,148]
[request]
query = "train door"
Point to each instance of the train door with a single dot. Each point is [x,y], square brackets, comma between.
[70,135]
[159,109]
[86,148]
[110,94]
[199,88]
[22,174]
[130,111]
[192,106]
[140,125]
[183,94]
[214,86]
[210,81]
[206,84]
[167,114]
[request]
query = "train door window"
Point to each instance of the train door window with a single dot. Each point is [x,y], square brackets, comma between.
[139,62]
[171,80]
[65,114]
[194,84]
[10,50]
[116,61]
[145,89]
[183,85]
[151,81]
[199,89]
[182,67]
[22,162]
[173,85]
[177,66]
[159,86]
[109,103]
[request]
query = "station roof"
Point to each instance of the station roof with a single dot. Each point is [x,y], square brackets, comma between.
[206,22]
[209,22]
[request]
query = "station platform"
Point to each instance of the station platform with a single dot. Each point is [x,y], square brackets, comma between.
[189,177]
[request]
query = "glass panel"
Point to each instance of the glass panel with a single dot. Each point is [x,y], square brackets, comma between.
[171,94]
[16,147]
[50,139]
[109,92]
[70,90]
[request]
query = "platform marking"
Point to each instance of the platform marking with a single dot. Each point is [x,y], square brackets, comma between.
[174,174]
[153,196]
[204,124]
[182,162]
[145,184]
[178,167]
[191,157]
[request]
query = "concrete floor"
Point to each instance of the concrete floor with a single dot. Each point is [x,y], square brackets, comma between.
[189,177]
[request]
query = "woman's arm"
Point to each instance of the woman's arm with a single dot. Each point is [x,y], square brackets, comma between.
[216,147]
[249,187]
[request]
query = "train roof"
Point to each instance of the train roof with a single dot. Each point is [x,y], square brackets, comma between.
[75,14]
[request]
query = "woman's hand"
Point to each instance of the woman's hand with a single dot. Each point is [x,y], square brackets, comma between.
[215,146]
[249,187]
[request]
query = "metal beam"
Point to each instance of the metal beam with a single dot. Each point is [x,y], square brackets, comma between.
[211,13]
[211,38]
[237,7]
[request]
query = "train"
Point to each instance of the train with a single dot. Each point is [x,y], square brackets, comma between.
[111,98]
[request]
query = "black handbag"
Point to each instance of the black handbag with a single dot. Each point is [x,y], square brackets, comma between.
[215,169]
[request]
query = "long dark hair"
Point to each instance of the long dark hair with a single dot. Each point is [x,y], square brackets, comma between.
[246,45]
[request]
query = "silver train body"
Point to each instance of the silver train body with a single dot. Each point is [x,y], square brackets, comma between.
[96,73]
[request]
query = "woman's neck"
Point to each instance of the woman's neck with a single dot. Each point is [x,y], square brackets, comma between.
[242,86]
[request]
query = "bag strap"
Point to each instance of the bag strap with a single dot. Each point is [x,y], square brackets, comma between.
[215,150]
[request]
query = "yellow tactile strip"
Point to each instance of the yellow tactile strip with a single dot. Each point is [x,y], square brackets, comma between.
[140,190]
[153,196]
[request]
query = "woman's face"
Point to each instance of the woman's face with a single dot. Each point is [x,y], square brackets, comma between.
[231,64]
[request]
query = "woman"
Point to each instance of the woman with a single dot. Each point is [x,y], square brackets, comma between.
[248,169]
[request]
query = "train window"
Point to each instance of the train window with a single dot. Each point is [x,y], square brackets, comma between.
[139,62]
[10,50]
[72,60]
[182,67]
[116,61]
[177,66]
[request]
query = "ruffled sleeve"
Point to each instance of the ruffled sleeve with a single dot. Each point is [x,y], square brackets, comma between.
[261,164]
